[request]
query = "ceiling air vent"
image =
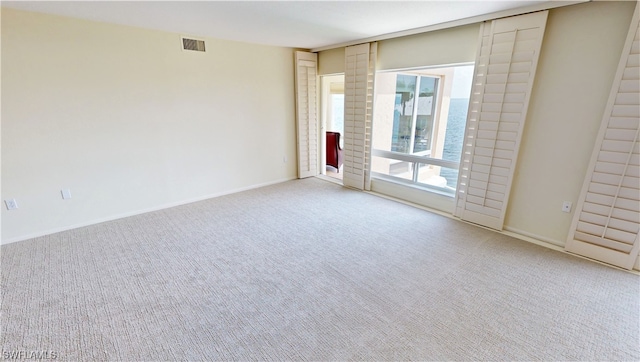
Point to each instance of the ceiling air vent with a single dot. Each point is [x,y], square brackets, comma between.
[193,44]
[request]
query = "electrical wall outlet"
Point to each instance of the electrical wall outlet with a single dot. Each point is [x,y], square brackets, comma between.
[12,204]
[566,206]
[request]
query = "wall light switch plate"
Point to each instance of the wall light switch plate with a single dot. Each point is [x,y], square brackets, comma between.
[66,194]
[566,206]
[12,204]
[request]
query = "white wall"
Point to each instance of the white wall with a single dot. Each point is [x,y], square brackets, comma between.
[578,60]
[447,46]
[130,122]
[331,62]
[580,52]
[441,47]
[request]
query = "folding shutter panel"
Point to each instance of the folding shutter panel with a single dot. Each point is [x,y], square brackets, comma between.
[505,69]
[606,224]
[371,76]
[358,114]
[306,113]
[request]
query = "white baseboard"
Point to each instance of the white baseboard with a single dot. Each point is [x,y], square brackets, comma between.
[513,232]
[510,231]
[138,212]
[557,245]
[533,238]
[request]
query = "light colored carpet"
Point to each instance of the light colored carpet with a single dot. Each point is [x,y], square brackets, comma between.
[308,270]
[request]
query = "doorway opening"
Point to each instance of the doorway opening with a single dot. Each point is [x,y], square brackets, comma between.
[332,128]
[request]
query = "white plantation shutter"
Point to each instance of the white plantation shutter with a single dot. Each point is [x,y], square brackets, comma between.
[358,114]
[307,113]
[606,224]
[505,68]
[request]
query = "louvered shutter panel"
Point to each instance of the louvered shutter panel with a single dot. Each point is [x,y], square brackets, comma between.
[506,62]
[306,113]
[358,114]
[606,225]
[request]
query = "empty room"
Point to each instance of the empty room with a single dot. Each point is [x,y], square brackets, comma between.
[320,180]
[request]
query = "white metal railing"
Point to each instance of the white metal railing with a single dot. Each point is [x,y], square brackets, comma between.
[416,160]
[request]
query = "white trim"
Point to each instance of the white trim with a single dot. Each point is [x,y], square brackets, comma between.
[532,238]
[427,67]
[510,231]
[535,238]
[417,194]
[452,24]
[418,186]
[418,206]
[143,211]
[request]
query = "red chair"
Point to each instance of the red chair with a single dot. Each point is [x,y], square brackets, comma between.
[334,151]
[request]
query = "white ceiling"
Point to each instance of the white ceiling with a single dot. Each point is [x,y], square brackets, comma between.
[298,24]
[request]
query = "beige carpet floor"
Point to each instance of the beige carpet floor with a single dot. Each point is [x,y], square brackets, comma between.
[308,270]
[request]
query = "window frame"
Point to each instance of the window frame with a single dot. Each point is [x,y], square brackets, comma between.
[435,110]
[419,159]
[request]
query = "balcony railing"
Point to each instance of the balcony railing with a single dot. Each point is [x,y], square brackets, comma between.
[416,161]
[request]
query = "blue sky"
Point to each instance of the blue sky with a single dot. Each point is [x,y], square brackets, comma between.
[462,77]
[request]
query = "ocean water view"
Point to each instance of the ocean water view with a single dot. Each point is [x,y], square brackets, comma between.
[453,139]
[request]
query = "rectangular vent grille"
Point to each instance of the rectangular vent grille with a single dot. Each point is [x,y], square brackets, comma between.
[193,44]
